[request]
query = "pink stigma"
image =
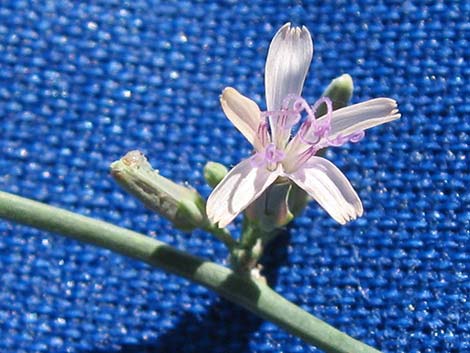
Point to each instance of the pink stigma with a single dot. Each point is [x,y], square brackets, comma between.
[269,157]
[272,154]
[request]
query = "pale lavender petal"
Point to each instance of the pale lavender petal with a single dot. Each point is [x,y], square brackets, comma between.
[243,113]
[240,187]
[323,181]
[362,116]
[289,57]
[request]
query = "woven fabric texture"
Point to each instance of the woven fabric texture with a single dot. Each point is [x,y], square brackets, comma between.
[83,82]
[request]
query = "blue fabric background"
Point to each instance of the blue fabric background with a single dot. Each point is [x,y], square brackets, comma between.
[83,82]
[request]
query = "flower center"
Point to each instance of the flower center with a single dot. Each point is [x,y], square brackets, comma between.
[272,154]
[314,134]
[269,157]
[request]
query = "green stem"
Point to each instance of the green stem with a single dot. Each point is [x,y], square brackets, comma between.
[253,295]
[222,234]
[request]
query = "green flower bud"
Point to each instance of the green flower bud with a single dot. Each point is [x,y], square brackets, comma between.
[340,91]
[214,173]
[183,206]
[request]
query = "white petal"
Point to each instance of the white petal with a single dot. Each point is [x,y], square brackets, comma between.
[323,181]
[243,113]
[362,116]
[288,61]
[240,187]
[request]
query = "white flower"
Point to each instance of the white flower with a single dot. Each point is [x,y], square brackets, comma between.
[277,155]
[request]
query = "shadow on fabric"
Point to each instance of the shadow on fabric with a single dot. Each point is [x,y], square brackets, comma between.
[225,327]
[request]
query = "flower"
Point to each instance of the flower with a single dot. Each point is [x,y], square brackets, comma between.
[278,155]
